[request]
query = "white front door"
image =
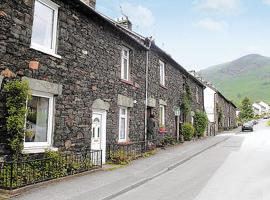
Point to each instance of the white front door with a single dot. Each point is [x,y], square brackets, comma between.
[98,138]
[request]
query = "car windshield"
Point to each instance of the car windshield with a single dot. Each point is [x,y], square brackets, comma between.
[247,124]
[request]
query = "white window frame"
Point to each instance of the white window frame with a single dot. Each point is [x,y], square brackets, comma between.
[48,144]
[162,115]
[123,57]
[126,124]
[39,47]
[162,72]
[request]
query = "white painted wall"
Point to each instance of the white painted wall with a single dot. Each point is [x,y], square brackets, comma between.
[209,103]
[257,109]
[265,107]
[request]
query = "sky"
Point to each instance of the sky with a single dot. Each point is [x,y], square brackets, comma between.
[199,33]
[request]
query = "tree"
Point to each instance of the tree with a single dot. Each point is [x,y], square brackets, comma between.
[246,111]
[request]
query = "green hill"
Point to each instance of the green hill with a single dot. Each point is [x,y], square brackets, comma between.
[247,76]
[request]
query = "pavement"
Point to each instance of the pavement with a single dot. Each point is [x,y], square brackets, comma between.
[105,185]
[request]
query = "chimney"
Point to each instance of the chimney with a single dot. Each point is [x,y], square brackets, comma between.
[91,3]
[125,22]
[192,72]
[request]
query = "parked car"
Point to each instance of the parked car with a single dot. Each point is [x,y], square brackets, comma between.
[266,117]
[255,122]
[247,126]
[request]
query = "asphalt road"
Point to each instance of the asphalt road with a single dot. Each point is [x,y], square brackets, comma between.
[237,169]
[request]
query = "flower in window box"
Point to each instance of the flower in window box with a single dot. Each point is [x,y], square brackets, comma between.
[162,128]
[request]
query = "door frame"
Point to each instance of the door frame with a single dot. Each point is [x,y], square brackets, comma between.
[103,133]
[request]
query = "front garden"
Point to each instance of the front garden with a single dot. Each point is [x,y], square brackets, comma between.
[17,169]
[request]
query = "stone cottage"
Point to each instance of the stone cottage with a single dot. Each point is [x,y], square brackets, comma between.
[166,88]
[166,83]
[89,75]
[226,113]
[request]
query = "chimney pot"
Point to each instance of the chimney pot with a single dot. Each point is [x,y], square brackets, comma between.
[91,3]
[125,22]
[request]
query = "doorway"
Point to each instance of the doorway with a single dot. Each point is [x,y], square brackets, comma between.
[98,137]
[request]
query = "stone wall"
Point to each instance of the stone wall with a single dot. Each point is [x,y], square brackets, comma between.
[196,105]
[233,118]
[88,70]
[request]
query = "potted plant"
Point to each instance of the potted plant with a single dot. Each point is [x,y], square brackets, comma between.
[29,136]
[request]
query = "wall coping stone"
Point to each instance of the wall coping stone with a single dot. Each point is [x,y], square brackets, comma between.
[151,102]
[44,86]
[162,102]
[100,105]
[125,101]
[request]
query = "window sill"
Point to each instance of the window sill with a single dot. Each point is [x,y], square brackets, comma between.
[127,82]
[45,51]
[29,150]
[163,86]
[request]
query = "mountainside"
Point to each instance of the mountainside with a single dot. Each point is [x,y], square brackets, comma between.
[247,76]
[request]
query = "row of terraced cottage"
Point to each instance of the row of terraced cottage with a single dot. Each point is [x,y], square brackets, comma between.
[93,80]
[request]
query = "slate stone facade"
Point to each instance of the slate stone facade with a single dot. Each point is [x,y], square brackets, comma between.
[228,110]
[88,73]
[88,70]
[172,93]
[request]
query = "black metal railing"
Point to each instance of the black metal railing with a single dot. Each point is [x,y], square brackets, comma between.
[28,171]
[125,152]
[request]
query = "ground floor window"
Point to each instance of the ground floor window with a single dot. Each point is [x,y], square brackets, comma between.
[39,120]
[123,124]
[161,115]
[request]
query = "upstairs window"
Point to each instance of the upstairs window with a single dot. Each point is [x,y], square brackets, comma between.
[44,28]
[162,72]
[125,64]
[197,94]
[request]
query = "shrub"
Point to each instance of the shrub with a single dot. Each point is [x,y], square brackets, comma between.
[120,157]
[200,123]
[188,131]
[17,93]
[168,140]
[268,123]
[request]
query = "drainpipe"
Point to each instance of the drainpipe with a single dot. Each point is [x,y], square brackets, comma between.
[146,92]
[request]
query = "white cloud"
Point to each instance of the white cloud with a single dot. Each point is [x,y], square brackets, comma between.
[267,2]
[219,5]
[139,15]
[212,25]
